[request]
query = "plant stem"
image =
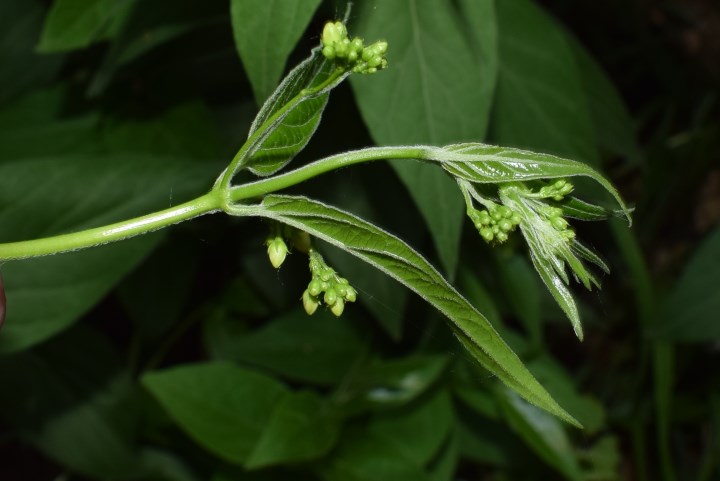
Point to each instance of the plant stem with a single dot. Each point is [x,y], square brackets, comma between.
[279,182]
[212,202]
[205,204]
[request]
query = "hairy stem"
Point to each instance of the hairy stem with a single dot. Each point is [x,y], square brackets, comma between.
[205,204]
[214,201]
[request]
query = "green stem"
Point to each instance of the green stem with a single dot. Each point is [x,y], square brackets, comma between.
[267,127]
[206,204]
[214,201]
[279,182]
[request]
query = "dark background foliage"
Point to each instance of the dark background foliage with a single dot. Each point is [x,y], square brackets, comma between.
[183,355]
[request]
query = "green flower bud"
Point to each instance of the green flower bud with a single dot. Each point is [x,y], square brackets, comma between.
[367,53]
[516,219]
[495,229]
[487,234]
[341,290]
[357,45]
[506,225]
[501,237]
[310,303]
[352,56]
[484,217]
[380,47]
[559,223]
[341,50]
[324,286]
[331,297]
[328,52]
[338,307]
[505,211]
[331,34]
[351,295]
[277,251]
[496,215]
[315,287]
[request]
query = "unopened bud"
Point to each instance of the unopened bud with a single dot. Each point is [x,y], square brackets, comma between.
[310,303]
[338,307]
[277,251]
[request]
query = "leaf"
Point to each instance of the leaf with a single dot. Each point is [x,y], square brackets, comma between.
[222,407]
[316,350]
[79,413]
[541,101]
[363,456]
[419,431]
[543,433]
[73,24]
[45,295]
[22,69]
[438,89]
[290,116]
[265,35]
[614,126]
[302,427]
[397,259]
[516,277]
[389,384]
[690,313]
[481,163]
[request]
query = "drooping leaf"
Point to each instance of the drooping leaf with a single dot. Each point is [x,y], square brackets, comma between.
[265,34]
[397,259]
[316,350]
[690,313]
[73,24]
[543,433]
[290,116]
[302,427]
[71,399]
[438,89]
[481,163]
[541,102]
[223,407]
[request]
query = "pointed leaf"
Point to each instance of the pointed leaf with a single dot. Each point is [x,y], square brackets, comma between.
[223,407]
[302,427]
[543,433]
[265,34]
[481,163]
[288,119]
[400,261]
[438,89]
[541,101]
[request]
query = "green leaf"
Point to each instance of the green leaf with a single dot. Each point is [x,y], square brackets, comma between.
[481,163]
[613,124]
[73,24]
[22,69]
[223,407]
[290,116]
[541,101]
[690,313]
[363,456]
[302,427]
[388,384]
[316,350]
[397,259]
[517,276]
[265,34]
[45,295]
[438,89]
[71,400]
[543,433]
[419,431]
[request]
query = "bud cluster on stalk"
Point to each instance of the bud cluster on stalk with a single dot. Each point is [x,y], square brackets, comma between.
[326,286]
[352,53]
[495,224]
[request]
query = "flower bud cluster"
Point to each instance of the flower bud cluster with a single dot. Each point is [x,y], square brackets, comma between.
[326,286]
[557,190]
[352,53]
[495,224]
